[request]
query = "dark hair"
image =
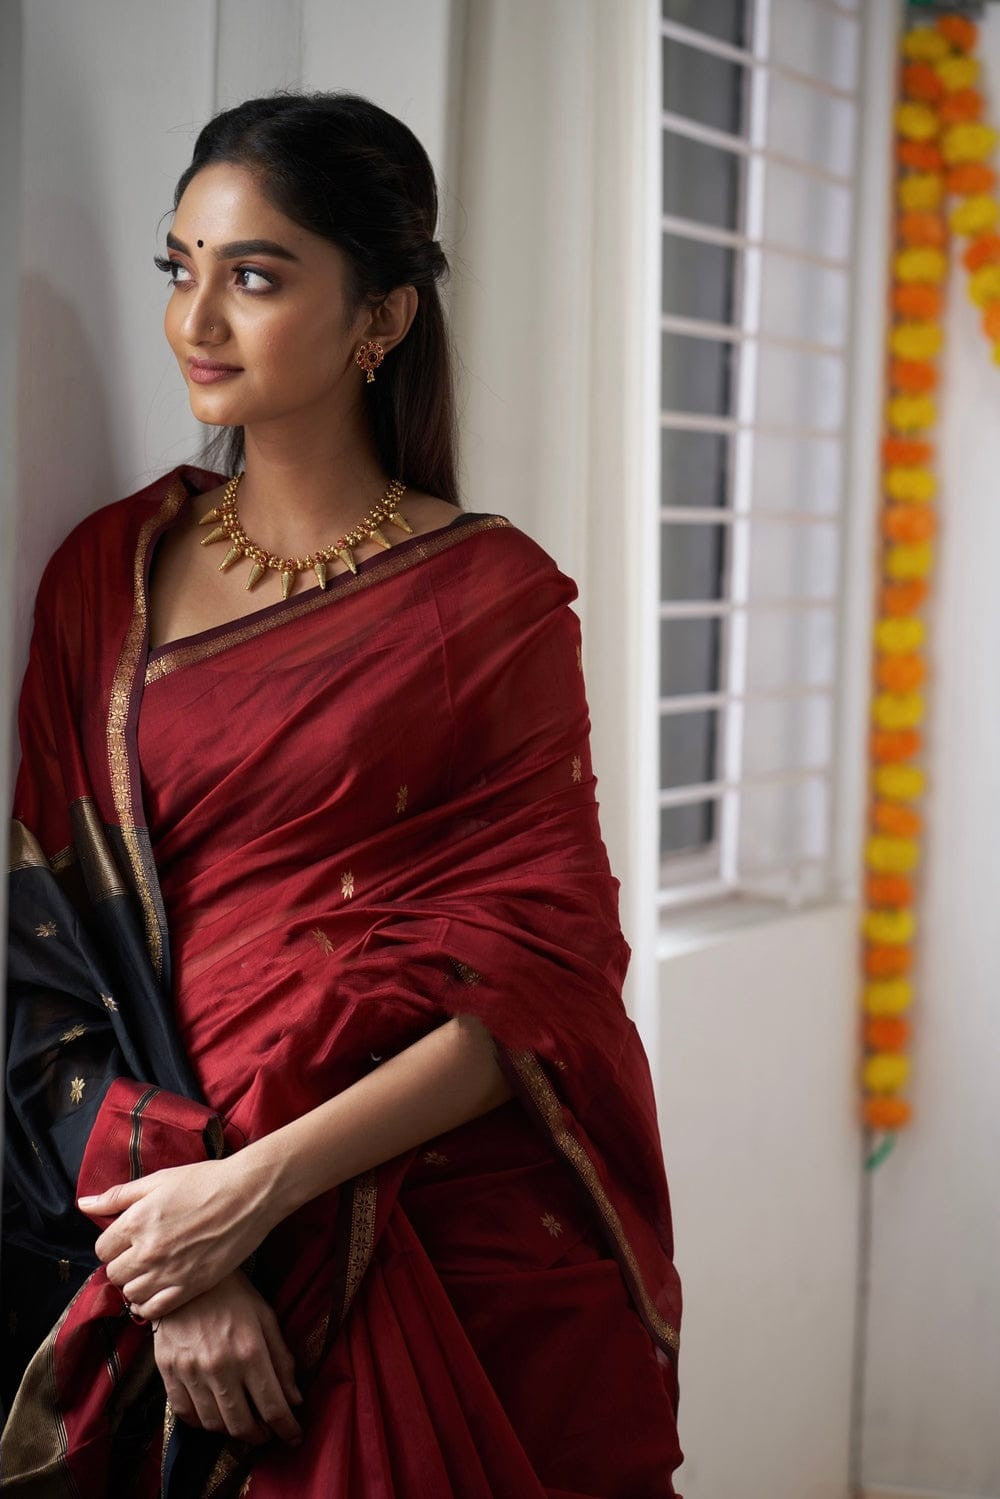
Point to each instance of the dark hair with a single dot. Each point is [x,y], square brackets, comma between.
[347,170]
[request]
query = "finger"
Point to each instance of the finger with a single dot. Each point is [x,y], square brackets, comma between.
[231,1398]
[160,1302]
[207,1413]
[265,1387]
[113,1199]
[281,1355]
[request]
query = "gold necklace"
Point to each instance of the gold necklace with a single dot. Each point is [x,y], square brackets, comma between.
[229,528]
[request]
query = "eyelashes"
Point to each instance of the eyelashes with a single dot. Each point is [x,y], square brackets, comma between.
[169,266]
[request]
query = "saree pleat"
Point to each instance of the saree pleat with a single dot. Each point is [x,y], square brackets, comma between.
[272,855]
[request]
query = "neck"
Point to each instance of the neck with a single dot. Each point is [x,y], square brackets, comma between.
[296,496]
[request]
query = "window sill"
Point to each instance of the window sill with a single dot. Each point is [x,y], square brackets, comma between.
[714,921]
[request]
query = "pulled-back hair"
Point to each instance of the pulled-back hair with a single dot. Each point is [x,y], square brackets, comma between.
[351,172]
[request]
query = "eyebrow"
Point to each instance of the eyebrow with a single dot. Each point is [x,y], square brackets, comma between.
[238,247]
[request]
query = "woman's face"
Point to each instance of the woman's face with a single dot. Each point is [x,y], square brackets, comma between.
[278,314]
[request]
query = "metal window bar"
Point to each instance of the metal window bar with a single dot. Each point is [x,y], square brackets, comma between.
[693,515]
[731,239]
[697,702]
[708,135]
[691,327]
[710,791]
[693,421]
[689,37]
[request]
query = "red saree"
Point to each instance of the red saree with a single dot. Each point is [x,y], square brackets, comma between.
[337,823]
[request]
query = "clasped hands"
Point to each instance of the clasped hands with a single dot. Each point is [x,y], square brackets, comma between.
[179,1231]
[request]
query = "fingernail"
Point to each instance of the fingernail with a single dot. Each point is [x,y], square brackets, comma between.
[85,1202]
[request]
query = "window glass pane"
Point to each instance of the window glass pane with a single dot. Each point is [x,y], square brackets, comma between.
[694,468]
[690,655]
[703,87]
[729,20]
[799,390]
[687,748]
[810,125]
[806,213]
[701,182]
[781,823]
[699,280]
[789,733]
[692,562]
[684,830]
[802,300]
[815,40]
[797,473]
[697,375]
[789,560]
[784,653]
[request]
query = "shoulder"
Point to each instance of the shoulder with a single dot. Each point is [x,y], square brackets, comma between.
[507,554]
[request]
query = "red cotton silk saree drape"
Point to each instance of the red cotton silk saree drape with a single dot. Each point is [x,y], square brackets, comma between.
[341,821]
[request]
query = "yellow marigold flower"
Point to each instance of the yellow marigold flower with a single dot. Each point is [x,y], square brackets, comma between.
[969,141]
[888,996]
[891,855]
[909,413]
[886,1071]
[890,928]
[920,264]
[901,635]
[923,44]
[996,353]
[920,190]
[984,285]
[974,214]
[899,783]
[957,72]
[916,122]
[914,560]
[910,483]
[892,710]
[915,340]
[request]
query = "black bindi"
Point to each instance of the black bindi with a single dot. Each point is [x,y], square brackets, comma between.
[200,243]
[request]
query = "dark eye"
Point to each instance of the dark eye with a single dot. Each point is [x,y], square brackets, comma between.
[169,266]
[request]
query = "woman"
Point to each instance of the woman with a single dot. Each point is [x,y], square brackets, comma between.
[332,1155]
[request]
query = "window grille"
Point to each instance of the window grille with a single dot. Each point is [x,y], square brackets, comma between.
[758,132]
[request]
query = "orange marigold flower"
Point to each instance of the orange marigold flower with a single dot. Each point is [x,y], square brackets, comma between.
[963,104]
[887,1032]
[900,599]
[922,81]
[914,375]
[908,522]
[921,227]
[920,156]
[882,962]
[889,890]
[888,1110]
[908,452]
[903,822]
[983,250]
[894,746]
[917,299]
[901,673]
[971,177]
[991,320]
[961,33]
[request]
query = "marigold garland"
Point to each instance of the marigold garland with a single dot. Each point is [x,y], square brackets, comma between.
[944,187]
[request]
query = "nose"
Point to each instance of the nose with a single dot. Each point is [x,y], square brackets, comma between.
[202,320]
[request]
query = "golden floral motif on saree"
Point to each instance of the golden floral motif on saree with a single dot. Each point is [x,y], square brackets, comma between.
[73,1032]
[321,939]
[466,973]
[46,929]
[579,656]
[577,768]
[76,1088]
[64,1269]
[401,796]
[553,1225]
[435,1158]
[347,884]
[108,1002]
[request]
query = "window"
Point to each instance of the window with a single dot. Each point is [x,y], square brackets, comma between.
[759,119]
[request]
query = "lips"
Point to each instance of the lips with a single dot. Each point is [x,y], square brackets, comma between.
[213,364]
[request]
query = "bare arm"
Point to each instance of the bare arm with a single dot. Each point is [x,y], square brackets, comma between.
[444,1079]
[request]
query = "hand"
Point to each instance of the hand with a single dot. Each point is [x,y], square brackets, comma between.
[179,1231]
[221,1348]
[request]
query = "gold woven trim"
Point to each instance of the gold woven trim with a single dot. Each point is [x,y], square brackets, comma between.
[25,850]
[363,1205]
[121,692]
[346,583]
[546,1099]
[34,1438]
[100,870]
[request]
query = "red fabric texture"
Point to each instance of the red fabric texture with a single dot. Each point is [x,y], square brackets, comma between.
[371,810]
